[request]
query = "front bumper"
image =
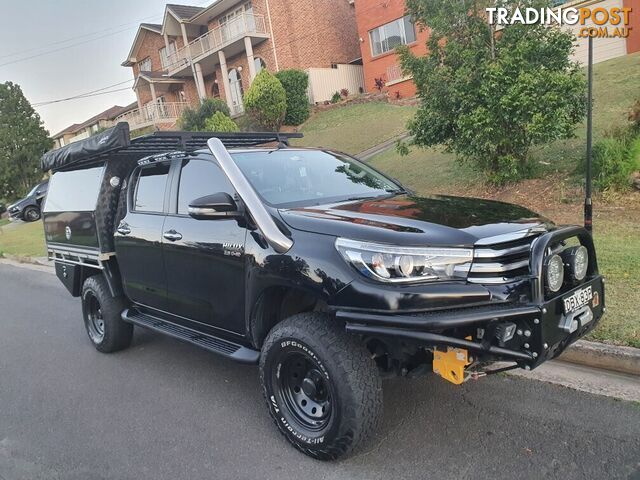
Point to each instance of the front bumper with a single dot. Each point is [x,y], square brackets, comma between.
[542,331]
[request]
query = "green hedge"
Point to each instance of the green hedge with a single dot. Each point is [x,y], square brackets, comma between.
[614,160]
[266,101]
[193,120]
[219,122]
[295,83]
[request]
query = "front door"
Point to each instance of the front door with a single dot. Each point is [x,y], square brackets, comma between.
[235,84]
[138,237]
[204,258]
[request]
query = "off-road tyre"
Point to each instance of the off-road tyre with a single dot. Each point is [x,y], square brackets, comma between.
[31,214]
[340,376]
[101,313]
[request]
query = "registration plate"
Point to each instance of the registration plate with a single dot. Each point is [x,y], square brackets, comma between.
[578,299]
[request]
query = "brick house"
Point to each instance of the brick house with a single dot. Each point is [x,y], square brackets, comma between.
[216,51]
[79,131]
[383,24]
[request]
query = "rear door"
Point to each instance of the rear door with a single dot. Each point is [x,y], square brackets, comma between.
[138,237]
[204,258]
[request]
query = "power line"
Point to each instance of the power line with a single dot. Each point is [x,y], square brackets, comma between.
[46,102]
[11,62]
[77,97]
[76,37]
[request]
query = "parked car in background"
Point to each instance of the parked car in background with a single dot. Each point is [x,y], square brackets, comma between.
[29,208]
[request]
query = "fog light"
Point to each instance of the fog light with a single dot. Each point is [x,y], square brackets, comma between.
[578,260]
[555,273]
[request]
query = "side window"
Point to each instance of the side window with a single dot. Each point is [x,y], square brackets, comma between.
[150,188]
[199,178]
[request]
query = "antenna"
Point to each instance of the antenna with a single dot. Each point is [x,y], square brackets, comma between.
[588,205]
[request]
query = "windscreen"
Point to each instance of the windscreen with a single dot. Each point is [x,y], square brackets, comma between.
[74,191]
[288,177]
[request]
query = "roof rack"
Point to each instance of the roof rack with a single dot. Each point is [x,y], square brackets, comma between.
[115,143]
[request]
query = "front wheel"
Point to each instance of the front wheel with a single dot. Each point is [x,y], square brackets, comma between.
[31,214]
[101,312]
[321,385]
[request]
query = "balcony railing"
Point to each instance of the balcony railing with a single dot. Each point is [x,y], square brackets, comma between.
[152,114]
[217,38]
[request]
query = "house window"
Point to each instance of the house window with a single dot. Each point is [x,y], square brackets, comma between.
[145,65]
[165,55]
[388,36]
[259,64]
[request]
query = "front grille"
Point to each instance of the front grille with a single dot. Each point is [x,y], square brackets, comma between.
[502,262]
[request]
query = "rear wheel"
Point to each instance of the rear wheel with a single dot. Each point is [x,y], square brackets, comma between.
[321,385]
[101,313]
[31,214]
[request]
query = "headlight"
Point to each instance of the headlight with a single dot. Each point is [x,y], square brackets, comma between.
[555,273]
[577,258]
[388,263]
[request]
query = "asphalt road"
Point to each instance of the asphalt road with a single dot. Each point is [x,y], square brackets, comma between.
[167,410]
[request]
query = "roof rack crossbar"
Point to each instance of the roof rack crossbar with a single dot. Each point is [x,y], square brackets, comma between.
[157,143]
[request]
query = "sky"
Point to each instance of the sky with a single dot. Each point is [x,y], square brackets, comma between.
[32,27]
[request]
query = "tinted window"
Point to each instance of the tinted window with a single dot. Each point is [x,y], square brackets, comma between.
[199,178]
[74,191]
[291,177]
[152,181]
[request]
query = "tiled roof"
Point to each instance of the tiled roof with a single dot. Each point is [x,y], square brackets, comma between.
[152,26]
[184,12]
[109,114]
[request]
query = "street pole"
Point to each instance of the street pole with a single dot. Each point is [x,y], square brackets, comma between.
[588,205]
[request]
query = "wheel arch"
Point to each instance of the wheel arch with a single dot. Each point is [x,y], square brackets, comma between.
[276,303]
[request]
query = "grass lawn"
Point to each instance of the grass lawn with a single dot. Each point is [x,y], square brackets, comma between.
[4,221]
[23,239]
[354,128]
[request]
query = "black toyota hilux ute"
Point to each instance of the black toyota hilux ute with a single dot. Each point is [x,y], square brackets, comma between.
[313,265]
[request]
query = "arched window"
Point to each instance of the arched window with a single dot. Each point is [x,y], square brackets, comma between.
[259,64]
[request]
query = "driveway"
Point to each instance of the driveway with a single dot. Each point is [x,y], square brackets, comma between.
[167,410]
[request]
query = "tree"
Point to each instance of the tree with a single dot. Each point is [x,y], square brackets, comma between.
[193,120]
[219,122]
[295,83]
[490,96]
[23,140]
[266,101]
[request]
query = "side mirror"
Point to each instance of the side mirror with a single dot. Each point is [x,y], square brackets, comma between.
[211,207]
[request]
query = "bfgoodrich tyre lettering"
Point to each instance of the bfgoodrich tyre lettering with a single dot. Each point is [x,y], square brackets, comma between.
[322,388]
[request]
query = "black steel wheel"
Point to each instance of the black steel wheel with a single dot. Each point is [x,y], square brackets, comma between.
[101,312]
[95,321]
[31,214]
[305,391]
[323,389]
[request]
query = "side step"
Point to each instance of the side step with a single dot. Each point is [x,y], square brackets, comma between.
[208,342]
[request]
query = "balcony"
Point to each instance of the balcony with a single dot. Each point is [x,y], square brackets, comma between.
[153,114]
[216,39]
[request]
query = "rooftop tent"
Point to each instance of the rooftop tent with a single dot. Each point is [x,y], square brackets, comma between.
[77,154]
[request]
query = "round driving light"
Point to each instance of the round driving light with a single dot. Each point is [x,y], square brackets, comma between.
[405,265]
[555,273]
[580,262]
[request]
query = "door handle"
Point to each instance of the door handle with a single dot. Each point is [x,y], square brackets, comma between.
[123,229]
[172,236]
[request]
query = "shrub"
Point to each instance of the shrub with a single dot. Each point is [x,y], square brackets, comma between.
[344,92]
[193,120]
[490,97]
[266,101]
[295,83]
[336,97]
[379,83]
[634,116]
[219,122]
[614,160]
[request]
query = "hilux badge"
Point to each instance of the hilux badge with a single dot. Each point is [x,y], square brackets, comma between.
[67,232]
